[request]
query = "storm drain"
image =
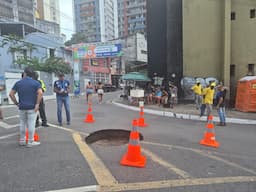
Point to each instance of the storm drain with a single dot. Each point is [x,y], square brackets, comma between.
[110,137]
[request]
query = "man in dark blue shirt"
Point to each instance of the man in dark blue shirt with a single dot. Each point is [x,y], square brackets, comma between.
[30,94]
[220,98]
[62,89]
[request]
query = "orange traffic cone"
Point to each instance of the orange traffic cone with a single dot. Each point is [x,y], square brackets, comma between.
[36,136]
[209,135]
[141,120]
[89,117]
[133,156]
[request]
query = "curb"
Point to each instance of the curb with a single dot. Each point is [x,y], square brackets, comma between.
[185,116]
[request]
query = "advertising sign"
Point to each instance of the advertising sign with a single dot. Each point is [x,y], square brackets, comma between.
[93,51]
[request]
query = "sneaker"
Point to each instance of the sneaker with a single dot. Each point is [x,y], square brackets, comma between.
[37,125]
[22,143]
[34,143]
[60,124]
[68,123]
[45,125]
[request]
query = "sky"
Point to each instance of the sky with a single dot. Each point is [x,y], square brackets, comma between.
[66,18]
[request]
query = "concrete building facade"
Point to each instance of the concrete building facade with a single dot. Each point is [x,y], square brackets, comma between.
[97,19]
[202,38]
[131,17]
[18,10]
[49,10]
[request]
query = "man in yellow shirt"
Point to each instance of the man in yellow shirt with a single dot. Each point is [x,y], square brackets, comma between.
[208,98]
[197,89]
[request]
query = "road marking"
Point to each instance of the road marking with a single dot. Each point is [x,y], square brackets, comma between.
[101,173]
[68,130]
[7,136]
[7,126]
[63,128]
[176,183]
[11,117]
[203,153]
[168,165]
[91,188]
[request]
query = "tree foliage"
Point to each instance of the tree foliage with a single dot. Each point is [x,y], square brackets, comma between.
[76,38]
[52,65]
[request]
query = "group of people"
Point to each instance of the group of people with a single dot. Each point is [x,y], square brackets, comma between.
[166,96]
[204,99]
[90,89]
[30,92]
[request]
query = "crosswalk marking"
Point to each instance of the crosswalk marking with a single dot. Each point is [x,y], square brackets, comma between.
[7,126]
[11,117]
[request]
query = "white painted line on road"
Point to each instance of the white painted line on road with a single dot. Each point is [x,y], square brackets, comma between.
[7,126]
[90,188]
[7,136]
[11,117]
[63,128]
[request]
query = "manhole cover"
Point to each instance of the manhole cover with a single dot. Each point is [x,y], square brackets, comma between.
[110,137]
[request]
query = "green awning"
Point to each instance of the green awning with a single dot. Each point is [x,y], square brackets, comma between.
[135,76]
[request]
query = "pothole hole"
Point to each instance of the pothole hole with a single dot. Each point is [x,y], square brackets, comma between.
[110,137]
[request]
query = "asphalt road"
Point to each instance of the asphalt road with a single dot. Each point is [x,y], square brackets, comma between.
[175,160]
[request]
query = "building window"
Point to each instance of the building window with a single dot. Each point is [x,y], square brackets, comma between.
[232,70]
[250,70]
[233,15]
[51,51]
[252,13]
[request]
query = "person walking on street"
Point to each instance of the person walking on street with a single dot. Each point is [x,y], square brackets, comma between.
[89,91]
[197,89]
[208,94]
[1,113]
[220,99]
[42,105]
[30,95]
[100,91]
[62,89]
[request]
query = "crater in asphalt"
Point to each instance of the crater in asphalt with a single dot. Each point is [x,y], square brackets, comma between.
[109,137]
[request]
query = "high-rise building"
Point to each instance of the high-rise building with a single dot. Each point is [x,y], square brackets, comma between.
[18,10]
[49,10]
[48,16]
[131,17]
[97,19]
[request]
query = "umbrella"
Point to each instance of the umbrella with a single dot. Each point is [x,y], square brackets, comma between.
[135,76]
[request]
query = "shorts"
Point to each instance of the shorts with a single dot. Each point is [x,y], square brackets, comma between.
[100,91]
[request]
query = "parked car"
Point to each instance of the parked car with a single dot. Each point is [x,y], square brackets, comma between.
[109,87]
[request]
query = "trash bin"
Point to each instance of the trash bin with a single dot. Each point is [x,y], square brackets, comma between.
[246,94]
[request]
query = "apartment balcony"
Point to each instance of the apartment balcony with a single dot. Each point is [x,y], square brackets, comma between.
[134,5]
[136,12]
[141,19]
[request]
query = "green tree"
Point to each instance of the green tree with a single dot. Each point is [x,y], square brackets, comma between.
[77,38]
[17,45]
[52,65]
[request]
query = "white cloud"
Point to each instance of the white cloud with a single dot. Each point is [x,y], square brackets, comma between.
[67,18]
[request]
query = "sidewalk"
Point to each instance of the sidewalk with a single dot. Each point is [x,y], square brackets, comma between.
[189,111]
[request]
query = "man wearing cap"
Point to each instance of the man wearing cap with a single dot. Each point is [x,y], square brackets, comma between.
[197,89]
[30,95]
[208,98]
[62,89]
